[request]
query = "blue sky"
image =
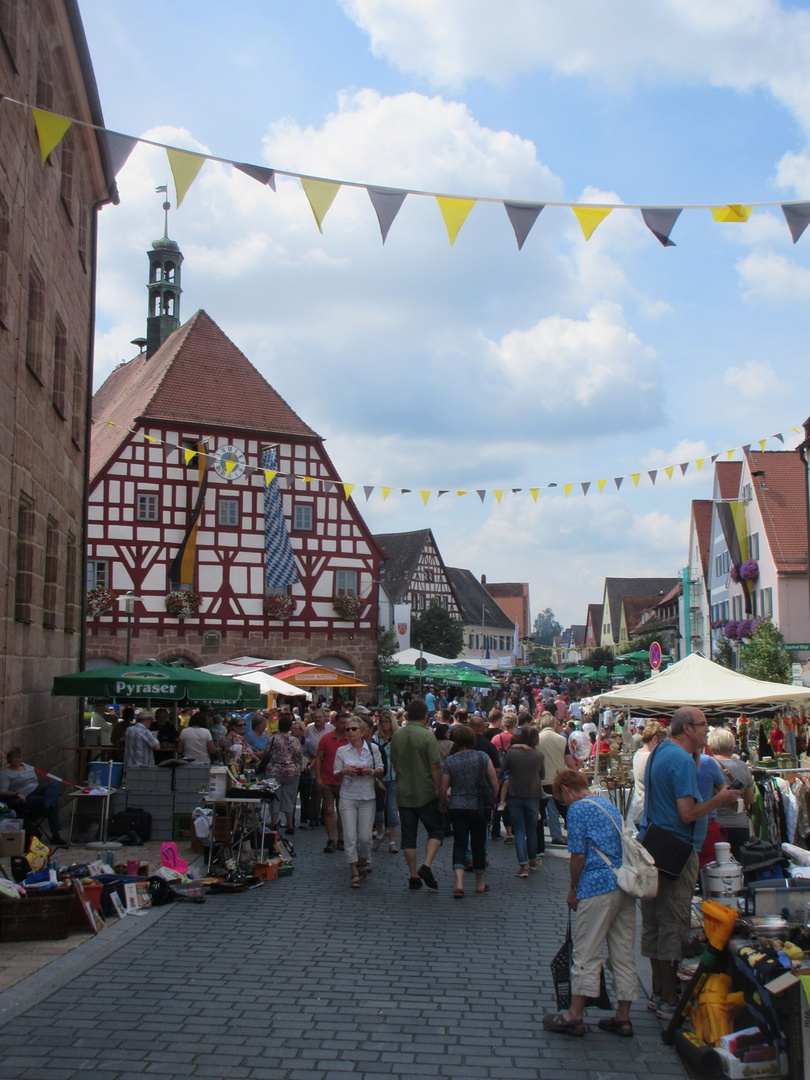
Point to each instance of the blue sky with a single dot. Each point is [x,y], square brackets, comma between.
[478,366]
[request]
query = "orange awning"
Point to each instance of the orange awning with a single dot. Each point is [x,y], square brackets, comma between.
[305,675]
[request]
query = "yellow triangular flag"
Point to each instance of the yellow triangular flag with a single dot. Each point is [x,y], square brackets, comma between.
[269,476]
[110,423]
[535,492]
[230,465]
[150,438]
[668,471]
[762,443]
[185,167]
[188,455]
[730,454]
[568,488]
[732,212]
[635,477]
[386,492]
[321,195]
[425,496]
[50,131]
[498,495]
[590,218]
[454,212]
[600,484]
[699,462]
[461,493]
[308,479]
[348,489]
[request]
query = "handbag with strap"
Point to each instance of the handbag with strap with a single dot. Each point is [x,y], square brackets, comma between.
[485,796]
[671,854]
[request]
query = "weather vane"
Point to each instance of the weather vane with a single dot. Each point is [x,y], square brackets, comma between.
[166,208]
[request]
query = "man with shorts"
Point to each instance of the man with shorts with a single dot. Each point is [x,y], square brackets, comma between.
[415,757]
[672,801]
[325,779]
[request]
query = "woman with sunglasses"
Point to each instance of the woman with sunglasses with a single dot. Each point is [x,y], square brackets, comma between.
[357,766]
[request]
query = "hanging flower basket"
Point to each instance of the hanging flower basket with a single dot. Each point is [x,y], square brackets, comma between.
[749,571]
[734,573]
[349,607]
[278,607]
[748,627]
[732,630]
[183,605]
[100,601]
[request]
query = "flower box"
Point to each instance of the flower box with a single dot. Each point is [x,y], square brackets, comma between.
[183,605]
[349,607]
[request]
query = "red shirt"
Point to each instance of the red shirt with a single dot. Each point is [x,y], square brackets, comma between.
[327,748]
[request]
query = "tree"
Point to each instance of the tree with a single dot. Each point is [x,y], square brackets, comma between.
[546,627]
[724,653]
[765,656]
[436,630]
[599,658]
[386,646]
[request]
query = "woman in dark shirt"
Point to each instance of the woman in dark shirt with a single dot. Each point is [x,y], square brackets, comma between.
[524,769]
[462,773]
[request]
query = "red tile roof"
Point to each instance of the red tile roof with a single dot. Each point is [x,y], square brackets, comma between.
[728,475]
[702,513]
[198,377]
[782,499]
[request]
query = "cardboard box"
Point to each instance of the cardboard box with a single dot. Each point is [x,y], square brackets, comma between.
[12,844]
[746,1070]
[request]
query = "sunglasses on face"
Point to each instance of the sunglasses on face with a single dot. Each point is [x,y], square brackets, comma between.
[352,728]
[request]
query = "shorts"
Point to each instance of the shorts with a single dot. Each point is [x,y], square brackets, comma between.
[666,918]
[432,820]
[330,796]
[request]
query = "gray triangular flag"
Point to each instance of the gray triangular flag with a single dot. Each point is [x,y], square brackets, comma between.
[797,216]
[660,223]
[585,487]
[617,480]
[386,203]
[368,491]
[329,486]
[442,492]
[684,465]
[119,147]
[481,495]
[781,438]
[522,217]
[652,475]
[257,172]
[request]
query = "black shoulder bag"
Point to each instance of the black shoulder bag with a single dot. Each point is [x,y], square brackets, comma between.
[670,853]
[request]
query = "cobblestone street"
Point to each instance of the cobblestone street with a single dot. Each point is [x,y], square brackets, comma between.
[305,979]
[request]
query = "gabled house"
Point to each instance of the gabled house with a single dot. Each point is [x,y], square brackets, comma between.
[414,572]
[218,507]
[725,490]
[488,632]
[613,632]
[695,610]
[593,628]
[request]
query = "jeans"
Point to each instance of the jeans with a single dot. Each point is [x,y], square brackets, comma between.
[388,817]
[524,813]
[553,817]
[472,825]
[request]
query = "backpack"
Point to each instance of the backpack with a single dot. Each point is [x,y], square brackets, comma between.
[637,876]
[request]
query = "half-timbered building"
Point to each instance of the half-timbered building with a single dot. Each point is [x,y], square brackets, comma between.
[414,572]
[219,508]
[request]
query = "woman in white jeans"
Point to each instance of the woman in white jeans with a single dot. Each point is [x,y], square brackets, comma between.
[357,765]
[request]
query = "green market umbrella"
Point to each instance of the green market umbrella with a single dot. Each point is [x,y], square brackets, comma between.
[151,681]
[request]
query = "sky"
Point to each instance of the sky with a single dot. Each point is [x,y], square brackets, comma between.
[478,366]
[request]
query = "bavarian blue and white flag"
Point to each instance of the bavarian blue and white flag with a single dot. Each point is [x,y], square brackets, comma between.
[279,561]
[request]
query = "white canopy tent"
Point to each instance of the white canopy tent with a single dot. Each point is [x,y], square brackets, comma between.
[410,656]
[697,681]
[254,670]
[269,684]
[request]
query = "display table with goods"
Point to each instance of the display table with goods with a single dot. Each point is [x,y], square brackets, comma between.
[744,1009]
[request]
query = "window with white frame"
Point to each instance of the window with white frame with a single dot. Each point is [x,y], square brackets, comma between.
[147,506]
[228,512]
[98,573]
[345,583]
[753,546]
[766,601]
[302,517]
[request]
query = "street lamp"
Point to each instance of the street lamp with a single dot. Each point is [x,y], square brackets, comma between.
[128,602]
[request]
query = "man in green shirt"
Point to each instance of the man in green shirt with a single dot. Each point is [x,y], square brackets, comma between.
[418,766]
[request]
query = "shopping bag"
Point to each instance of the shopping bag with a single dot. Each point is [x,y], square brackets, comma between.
[561,974]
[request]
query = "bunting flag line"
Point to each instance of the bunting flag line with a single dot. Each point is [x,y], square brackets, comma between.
[202,455]
[387,201]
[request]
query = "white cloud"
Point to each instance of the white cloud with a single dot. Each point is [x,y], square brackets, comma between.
[756,382]
[741,44]
[764,275]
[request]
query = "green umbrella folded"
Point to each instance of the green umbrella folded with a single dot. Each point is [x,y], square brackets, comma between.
[149,680]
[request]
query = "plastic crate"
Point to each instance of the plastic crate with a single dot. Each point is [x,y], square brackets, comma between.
[37,918]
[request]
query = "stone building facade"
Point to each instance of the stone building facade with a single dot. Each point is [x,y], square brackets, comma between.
[47,267]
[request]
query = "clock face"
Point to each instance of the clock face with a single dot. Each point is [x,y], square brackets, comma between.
[227,456]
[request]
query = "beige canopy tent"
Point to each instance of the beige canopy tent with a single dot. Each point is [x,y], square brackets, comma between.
[716,690]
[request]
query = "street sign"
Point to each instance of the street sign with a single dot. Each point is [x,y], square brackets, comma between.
[655,656]
[797,646]
[420,663]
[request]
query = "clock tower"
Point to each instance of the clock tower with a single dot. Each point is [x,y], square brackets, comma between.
[163,316]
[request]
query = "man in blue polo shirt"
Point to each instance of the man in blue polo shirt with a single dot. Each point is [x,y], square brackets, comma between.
[673,802]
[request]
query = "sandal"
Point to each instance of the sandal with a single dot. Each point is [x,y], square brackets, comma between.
[557,1023]
[482,890]
[458,894]
[392,848]
[522,872]
[356,881]
[622,1028]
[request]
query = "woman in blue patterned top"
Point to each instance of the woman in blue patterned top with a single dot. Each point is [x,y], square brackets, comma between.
[605,915]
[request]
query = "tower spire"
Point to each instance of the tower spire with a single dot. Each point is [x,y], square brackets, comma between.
[165,259]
